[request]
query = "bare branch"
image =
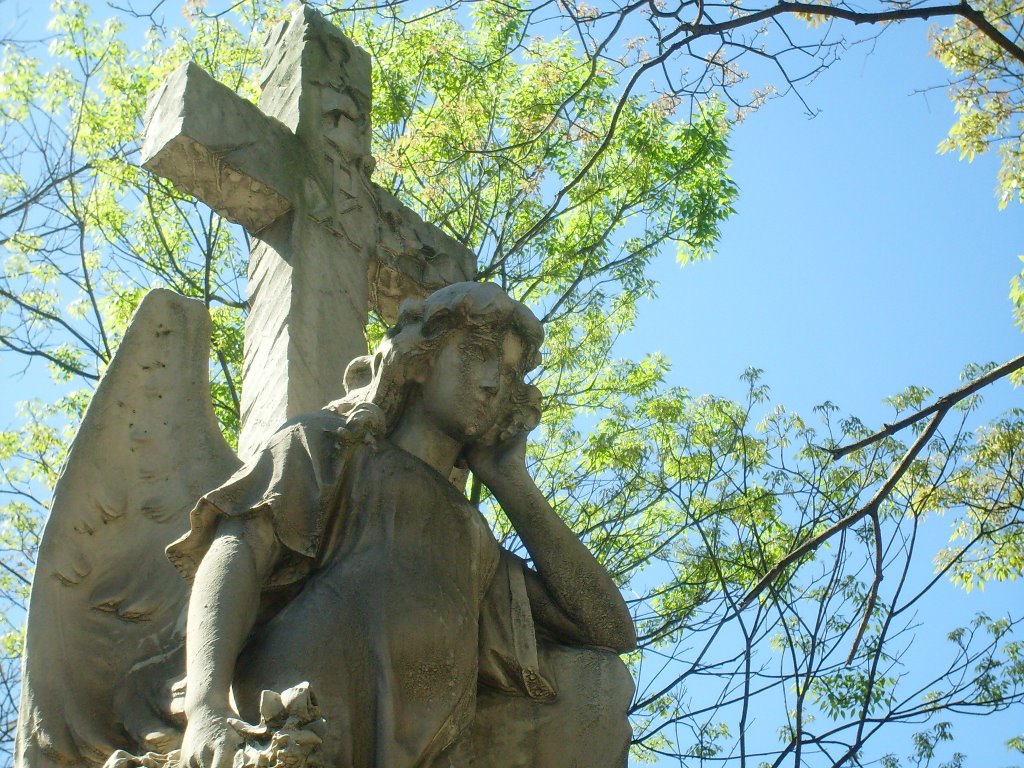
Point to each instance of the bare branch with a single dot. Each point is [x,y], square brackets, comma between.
[853,518]
[944,403]
[869,607]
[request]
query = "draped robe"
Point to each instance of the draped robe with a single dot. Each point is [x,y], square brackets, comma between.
[390,595]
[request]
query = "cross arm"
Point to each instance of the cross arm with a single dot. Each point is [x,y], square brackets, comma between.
[215,145]
[411,258]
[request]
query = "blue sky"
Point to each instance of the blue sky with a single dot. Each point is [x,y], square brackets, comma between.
[859,260]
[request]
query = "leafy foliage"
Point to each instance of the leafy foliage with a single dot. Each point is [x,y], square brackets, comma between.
[988,92]
[537,152]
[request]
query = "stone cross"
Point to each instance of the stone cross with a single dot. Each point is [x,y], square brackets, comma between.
[328,244]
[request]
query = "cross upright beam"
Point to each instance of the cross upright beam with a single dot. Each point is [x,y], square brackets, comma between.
[328,244]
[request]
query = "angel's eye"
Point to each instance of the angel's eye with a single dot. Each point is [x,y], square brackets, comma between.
[483,348]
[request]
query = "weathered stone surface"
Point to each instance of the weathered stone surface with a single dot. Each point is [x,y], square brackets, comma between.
[222,149]
[328,244]
[412,259]
[342,555]
[104,598]
[288,734]
[401,602]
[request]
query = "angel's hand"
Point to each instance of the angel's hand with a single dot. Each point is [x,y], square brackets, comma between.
[501,466]
[210,741]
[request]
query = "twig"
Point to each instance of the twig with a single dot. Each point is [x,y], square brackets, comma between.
[236,408]
[854,517]
[869,607]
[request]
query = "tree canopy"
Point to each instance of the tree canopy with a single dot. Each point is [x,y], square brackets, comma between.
[751,541]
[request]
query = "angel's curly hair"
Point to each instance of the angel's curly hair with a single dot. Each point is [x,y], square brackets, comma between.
[378,386]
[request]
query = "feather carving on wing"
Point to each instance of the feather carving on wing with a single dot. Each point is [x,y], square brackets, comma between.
[106,603]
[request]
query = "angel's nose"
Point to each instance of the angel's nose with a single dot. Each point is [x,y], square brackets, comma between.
[490,377]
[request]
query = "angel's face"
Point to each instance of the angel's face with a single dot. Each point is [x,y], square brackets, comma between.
[467,387]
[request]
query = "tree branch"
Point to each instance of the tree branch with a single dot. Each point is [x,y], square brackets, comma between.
[869,607]
[854,517]
[944,403]
[964,10]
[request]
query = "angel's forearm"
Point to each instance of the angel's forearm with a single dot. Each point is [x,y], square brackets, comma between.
[222,610]
[579,584]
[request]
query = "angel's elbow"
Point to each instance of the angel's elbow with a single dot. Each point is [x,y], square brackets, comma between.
[617,634]
[625,637]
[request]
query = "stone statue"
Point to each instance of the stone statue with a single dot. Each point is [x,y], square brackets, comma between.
[343,556]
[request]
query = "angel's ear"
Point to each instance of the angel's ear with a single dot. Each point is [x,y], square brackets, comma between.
[359,373]
[418,370]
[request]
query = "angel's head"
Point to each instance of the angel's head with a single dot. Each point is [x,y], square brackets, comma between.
[462,353]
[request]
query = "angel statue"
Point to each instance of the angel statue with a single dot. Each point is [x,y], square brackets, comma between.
[342,555]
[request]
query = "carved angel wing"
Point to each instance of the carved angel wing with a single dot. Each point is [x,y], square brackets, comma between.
[105,599]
